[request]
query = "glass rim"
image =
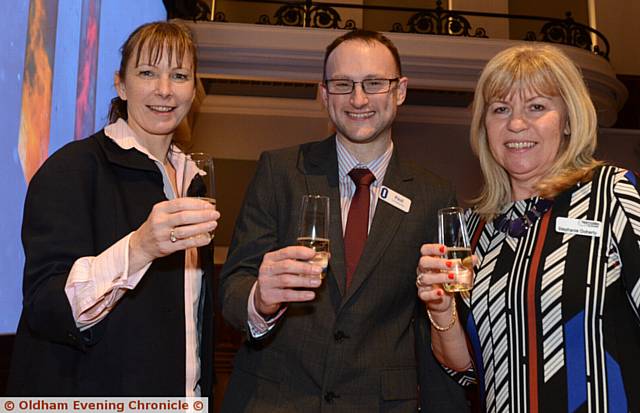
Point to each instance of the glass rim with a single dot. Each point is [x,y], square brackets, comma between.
[200,155]
[450,210]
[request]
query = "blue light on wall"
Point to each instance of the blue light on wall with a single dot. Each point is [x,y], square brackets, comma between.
[117,19]
[13,37]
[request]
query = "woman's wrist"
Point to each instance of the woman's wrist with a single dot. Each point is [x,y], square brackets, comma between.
[452,319]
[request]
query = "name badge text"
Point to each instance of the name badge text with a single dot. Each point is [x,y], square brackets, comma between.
[392,197]
[579,227]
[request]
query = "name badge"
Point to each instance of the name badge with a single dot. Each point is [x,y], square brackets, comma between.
[579,227]
[391,197]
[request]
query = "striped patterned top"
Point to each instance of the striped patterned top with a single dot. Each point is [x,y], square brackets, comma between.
[554,318]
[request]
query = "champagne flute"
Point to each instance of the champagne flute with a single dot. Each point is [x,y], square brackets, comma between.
[313,229]
[198,178]
[452,233]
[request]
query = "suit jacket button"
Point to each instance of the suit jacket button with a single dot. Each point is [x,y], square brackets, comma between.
[339,336]
[330,396]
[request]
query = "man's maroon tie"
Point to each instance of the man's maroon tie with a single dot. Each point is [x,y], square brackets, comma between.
[355,234]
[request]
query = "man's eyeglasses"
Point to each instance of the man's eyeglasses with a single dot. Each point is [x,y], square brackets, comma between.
[369,86]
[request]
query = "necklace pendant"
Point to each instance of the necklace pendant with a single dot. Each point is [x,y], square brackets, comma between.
[517,227]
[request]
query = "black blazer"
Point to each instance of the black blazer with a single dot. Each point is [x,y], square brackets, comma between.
[347,351]
[87,196]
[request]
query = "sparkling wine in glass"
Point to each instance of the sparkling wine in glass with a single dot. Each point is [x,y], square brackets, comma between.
[313,229]
[452,233]
[198,178]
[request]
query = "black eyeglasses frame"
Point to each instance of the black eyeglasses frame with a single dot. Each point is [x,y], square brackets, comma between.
[362,84]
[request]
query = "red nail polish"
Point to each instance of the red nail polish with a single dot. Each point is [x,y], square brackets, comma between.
[440,293]
[441,249]
[451,276]
[449,264]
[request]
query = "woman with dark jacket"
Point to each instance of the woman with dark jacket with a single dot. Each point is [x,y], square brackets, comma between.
[117,280]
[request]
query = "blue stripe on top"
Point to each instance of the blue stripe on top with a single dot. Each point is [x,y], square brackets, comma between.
[576,362]
[632,178]
[617,396]
[478,362]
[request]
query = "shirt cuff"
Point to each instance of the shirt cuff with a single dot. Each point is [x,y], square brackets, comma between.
[258,325]
[464,378]
[95,284]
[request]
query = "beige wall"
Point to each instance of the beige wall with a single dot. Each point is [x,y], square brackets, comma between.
[618,20]
[242,12]
[236,141]
[232,136]
[496,28]
[357,15]
[545,8]
[249,13]
[383,20]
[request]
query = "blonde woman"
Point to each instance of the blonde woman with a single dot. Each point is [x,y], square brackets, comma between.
[552,323]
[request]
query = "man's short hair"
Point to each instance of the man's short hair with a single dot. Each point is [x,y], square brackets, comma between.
[367,36]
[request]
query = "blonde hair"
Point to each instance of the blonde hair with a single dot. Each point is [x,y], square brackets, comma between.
[546,70]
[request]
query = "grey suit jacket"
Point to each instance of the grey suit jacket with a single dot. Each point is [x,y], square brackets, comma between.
[346,351]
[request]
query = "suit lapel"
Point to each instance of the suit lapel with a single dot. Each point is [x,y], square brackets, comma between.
[319,164]
[386,222]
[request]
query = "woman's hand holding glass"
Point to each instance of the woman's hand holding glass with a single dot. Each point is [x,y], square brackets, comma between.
[448,342]
[432,275]
[435,270]
[172,226]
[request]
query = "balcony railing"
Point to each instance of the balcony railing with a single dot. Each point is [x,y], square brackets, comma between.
[436,21]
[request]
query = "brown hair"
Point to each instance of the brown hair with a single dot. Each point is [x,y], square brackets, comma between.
[158,37]
[544,69]
[366,36]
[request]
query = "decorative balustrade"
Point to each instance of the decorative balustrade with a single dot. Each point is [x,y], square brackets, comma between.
[437,21]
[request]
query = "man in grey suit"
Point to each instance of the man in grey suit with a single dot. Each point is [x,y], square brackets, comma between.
[347,343]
